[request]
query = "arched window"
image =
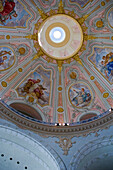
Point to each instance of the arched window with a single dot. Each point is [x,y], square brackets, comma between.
[26,110]
[87,116]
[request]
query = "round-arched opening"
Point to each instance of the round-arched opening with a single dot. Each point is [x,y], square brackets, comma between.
[95,155]
[88,116]
[16,152]
[98,159]
[26,110]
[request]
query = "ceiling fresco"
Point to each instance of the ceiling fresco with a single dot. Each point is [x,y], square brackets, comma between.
[57,57]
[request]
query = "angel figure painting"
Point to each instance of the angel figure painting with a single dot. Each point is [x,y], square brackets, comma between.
[79,95]
[36,88]
[103,62]
[7,58]
[12,13]
[7,10]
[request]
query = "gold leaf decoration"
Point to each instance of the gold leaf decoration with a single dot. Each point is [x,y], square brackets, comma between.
[105,95]
[89,37]
[52,12]
[60,65]
[39,54]
[76,57]
[72,14]
[4,84]
[60,109]
[61,8]
[65,144]
[42,14]
[33,37]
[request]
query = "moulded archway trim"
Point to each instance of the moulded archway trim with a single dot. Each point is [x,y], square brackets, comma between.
[86,113]
[87,149]
[32,106]
[30,146]
[79,129]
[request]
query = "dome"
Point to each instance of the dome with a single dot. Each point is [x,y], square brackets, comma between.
[56,59]
[56,84]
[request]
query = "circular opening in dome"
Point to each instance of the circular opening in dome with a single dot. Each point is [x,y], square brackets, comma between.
[57,34]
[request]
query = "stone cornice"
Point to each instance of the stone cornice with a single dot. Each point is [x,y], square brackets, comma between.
[50,130]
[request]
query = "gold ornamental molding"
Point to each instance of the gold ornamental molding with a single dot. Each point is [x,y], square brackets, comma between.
[54,13]
[66,31]
[77,130]
[42,14]
[65,144]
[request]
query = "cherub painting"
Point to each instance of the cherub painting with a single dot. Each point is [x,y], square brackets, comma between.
[12,13]
[79,95]
[6,58]
[107,66]
[33,87]
[37,86]
[103,61]
[7,10]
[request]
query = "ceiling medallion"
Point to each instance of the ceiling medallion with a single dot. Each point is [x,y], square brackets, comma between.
[60,35]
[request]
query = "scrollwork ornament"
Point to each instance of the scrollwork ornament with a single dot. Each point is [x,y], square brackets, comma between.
[42,14]
[61,8]
[72,14]
[38,55]
[77,59]
[65,144]
[89,37]
[52,12]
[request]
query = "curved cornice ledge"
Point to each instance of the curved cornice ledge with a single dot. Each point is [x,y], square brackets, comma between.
[82,129]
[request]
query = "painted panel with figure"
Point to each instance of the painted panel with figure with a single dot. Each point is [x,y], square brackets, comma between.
[110,18]
[80,95]
[81,3]
[13,14]
[102,59]
[36,87]
[7,58]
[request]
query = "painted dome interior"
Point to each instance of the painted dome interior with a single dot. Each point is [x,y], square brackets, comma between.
[56,58]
